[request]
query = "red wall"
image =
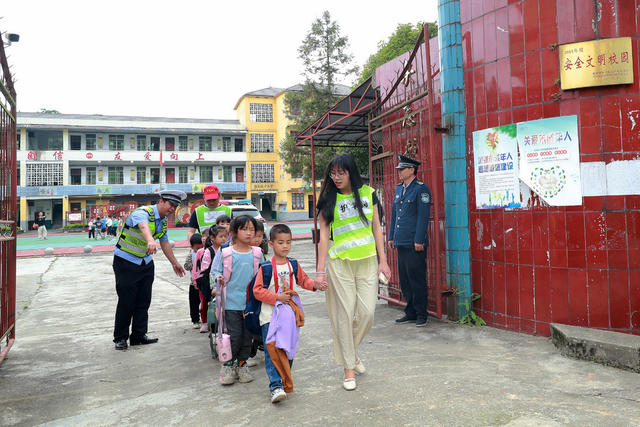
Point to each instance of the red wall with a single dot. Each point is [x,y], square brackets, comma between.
[577,265]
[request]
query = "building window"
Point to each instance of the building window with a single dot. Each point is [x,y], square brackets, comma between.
[205,143]
[116,142]
[155,143]
[182,174]
[116,175]
[46,140]
[141,143]
[75,142]
[183,143]
[206,174]
[44,174]
[141,175]
[239,174]
[260,112]
[90,178]
[262,172]
[90,141]
[226,144]
[76,176]
[18,175]
[155,175]
[297,201]
[169,144]
[228,173]
[219,174]
[261,142]
[239,145]
[18,141]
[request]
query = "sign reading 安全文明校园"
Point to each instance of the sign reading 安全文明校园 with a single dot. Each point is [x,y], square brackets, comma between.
[596,63]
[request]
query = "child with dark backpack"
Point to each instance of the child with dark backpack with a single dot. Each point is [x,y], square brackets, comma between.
[194,295]
[273,286]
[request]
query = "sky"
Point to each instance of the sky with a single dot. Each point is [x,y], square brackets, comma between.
[189,58]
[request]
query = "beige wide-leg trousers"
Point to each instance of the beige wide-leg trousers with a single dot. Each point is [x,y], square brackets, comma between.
[351,303]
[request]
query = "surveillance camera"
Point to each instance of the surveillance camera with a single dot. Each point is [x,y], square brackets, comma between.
[12,37]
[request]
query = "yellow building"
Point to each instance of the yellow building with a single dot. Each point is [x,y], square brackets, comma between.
[274,192]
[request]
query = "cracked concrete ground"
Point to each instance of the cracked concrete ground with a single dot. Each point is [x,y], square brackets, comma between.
[63,369]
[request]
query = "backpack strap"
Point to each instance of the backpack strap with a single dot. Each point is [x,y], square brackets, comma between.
[227,259]
[257,258]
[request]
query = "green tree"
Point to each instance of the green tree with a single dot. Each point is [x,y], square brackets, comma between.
[402,40]
[326,60]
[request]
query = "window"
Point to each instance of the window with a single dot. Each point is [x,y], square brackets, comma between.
[239,145]
[169,144]
[294,108]
[260,112]
[262,172]
[182,174]
[155,143]
[44,174]
[45,140]
[18,175]
[75,142]
[141,175]
[206,174]
[297,201]
[228,173]
[76,176]
[239,174]
[261,142]
[90,178]
[183,143]
[18,140]
[155,175]
[116,142]
[219,174]
[141,143]
[90,141]
[205,143]
[116,175]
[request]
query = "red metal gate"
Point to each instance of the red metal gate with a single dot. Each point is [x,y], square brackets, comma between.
[8,207]
[405,121]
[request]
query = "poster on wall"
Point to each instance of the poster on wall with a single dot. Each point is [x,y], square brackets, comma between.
[550,159]
[495,153]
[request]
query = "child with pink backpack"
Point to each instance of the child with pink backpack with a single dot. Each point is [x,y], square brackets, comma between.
[239,264]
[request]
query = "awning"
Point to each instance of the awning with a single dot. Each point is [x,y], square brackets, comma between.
[346,124]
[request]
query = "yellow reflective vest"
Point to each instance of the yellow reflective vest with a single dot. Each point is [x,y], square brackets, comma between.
[353,239]
[131,239]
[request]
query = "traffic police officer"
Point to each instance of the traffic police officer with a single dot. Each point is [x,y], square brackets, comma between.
[134,269]
[205,215]
[408,234]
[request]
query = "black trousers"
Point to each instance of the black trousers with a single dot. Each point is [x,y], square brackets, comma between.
[133,286]
[240,336]
[412,269]
[194,304]
[92,233]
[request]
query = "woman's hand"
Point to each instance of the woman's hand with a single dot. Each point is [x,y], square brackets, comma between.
[384,269]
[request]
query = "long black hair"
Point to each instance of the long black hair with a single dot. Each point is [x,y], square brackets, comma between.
[328,192]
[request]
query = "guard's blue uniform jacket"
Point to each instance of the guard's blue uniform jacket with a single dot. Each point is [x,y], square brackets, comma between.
[410,215]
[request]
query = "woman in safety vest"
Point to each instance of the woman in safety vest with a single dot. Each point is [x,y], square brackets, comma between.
[347,210]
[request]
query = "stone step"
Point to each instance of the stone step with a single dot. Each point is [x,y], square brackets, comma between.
[608,348]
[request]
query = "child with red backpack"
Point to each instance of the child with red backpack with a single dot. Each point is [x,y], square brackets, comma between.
[274,283]
[239,264]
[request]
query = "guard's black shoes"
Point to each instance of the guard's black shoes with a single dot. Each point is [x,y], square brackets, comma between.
[121,345]
[142,340]
[405,319]
[421,322]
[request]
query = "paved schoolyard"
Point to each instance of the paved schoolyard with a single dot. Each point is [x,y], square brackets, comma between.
[63,369]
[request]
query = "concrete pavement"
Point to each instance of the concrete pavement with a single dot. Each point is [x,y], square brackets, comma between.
[63,369]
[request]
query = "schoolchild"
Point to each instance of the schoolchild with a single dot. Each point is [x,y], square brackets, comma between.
[239,264]
[194,295]
[224,221]
[92,229]
[256,341]
[202,269]
[281,285]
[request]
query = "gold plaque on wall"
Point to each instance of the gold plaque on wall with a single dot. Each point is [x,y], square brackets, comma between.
[596,63]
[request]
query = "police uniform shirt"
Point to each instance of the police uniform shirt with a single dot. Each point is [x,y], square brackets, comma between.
[410,213]
[136,217]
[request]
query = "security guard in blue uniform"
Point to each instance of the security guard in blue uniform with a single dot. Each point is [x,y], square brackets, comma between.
[408,234]
[134,269]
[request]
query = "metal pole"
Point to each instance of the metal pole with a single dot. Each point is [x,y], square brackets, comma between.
[434,174]
[315,202]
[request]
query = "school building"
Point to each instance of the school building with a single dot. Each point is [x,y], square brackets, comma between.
[89,165]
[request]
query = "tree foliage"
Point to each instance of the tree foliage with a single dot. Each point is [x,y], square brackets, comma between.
[402,40]
[326,60]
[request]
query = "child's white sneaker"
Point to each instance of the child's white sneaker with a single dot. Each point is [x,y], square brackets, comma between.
[204,328]
[196,325]
[244,376]
[251,362]
[226,375]
[278,395]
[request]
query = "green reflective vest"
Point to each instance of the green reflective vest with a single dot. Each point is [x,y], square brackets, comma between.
[131,239]
[207,217]
[353,239]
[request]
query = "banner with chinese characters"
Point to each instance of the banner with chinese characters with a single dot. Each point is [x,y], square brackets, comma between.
[596,63]
[495,153]
[550,159]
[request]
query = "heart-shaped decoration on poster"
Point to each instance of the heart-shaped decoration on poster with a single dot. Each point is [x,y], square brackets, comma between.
[548,182]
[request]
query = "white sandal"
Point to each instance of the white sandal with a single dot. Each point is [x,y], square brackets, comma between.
[349,384]
[359,368]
